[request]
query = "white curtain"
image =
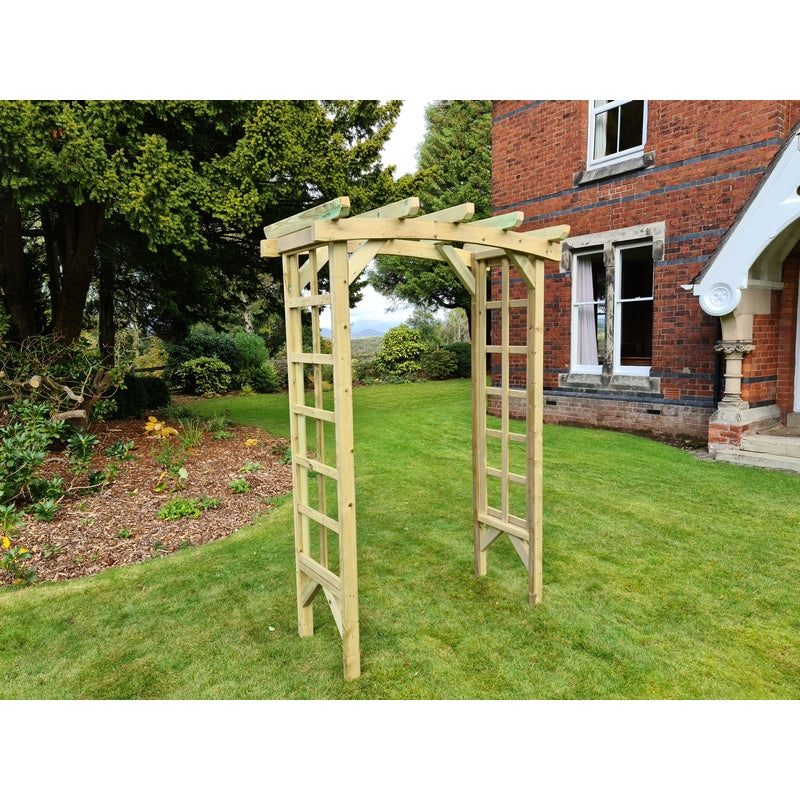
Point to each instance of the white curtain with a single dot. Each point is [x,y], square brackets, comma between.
[600,131]
[585,304]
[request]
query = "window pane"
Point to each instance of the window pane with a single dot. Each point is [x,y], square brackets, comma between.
[636,277]
[590,299]
[631,128]
[618,128]
[635,323]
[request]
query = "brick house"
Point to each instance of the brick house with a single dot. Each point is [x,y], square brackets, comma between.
[674,307]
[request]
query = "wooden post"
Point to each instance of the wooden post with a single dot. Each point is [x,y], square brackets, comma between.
[479,489]
[534,426]
[297,425]
[345,461]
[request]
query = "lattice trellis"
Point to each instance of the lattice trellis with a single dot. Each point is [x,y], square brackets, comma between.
[325,245]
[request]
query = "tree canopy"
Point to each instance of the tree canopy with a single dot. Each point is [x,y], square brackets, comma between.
[455,166]
[152,211]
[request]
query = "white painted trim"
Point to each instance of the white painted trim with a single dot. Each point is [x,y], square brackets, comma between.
[773,208]
[622,155]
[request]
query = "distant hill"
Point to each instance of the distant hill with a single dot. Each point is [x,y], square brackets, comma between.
[367,333]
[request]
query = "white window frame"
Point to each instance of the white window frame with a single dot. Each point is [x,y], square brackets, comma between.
[619,368]
[594,112]
[577,366]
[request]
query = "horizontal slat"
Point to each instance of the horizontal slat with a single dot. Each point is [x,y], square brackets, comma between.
[323,519]
[512,476]
[320,574]
[498,304]
[497,391]
[309,300]
[324,359]
[493,433]
[513,349]
[316,466]
[316,413]
[514,526]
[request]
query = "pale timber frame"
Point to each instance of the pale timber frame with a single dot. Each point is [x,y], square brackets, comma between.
[326,240]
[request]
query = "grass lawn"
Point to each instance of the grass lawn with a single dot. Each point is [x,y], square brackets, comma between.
[665,576]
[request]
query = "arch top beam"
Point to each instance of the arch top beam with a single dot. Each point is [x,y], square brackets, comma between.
[361,228]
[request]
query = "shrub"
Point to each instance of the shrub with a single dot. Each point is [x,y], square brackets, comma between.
[141,393]
[365,369]
[265,379]
[439,364]
[205,376]
[250,349]
[463,354]
[203,342]
[400,351]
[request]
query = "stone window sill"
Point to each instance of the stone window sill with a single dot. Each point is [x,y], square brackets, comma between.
[640,161]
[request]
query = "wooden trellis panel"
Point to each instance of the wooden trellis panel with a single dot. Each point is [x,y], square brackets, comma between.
[325,244]
[491,520]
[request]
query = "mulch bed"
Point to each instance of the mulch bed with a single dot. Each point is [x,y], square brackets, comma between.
[120,525]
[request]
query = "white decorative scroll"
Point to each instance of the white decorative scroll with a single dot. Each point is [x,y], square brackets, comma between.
[720,299]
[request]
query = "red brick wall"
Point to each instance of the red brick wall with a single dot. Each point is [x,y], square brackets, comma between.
[708,158]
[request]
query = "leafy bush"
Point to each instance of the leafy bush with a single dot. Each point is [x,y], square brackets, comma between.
[463,354]
[439,364]
[366,369]
[400,351]
[141,393]
[205,376]
[265,379]
[251,350]
[186,507]
[25,443]
[203,342]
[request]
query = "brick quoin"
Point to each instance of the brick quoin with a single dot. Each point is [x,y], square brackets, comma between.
[707,159]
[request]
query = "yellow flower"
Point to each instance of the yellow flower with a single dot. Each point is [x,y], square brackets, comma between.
[22,551]
[251,443]
[6,542]
[155,428]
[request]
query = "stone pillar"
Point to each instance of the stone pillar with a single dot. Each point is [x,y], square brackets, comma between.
[735,351]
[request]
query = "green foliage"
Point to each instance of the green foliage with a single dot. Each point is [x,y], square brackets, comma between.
[141,393]
[455,166]
[424,322]
[439,364]
[204,376]
[400,351]
[173,195]
[250,350]
[203,342]
[265,379]
[239,486]
[191,432]
[191,507]
[462,351]
[26,440]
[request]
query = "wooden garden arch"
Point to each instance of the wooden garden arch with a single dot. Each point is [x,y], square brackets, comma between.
[323,251]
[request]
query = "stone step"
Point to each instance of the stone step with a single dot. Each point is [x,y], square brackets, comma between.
[751,458]
[793,420]
[773,445]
